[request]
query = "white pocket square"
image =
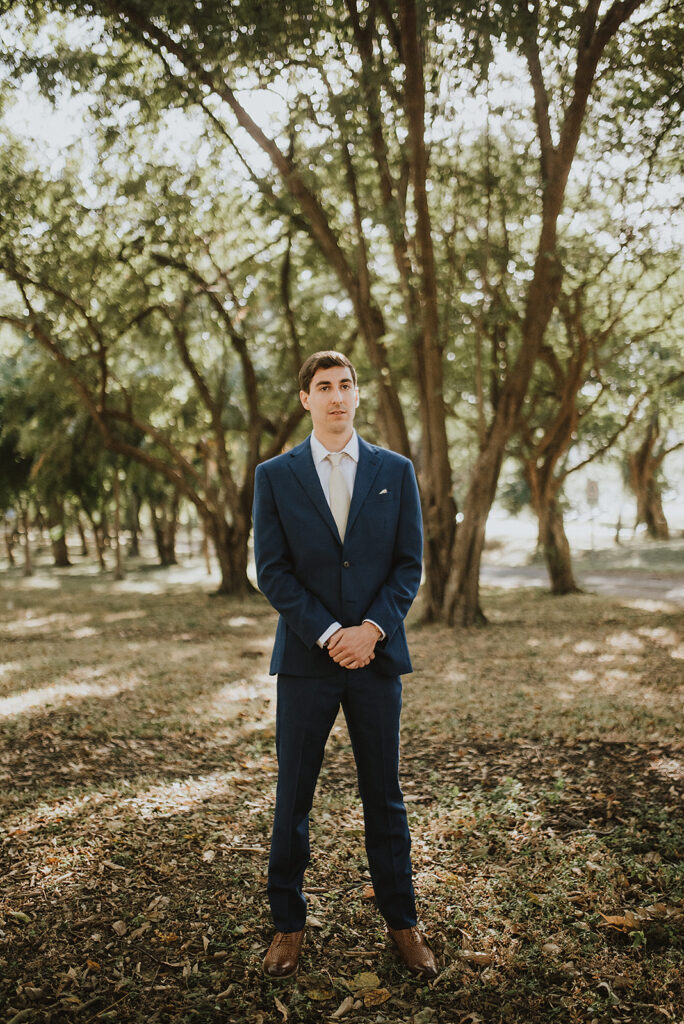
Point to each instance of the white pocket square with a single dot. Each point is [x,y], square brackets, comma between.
[383,491]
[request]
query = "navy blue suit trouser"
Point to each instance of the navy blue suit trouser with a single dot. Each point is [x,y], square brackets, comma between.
[306,711]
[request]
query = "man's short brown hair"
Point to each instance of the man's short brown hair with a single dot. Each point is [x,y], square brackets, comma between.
[322,361]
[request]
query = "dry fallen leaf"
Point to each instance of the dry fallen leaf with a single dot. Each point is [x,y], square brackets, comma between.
[376,997]
[19,915]
[281,1008]
[320,995]
[627,922]
[368,892]
[119,927]
[363,981]
[345,1006]
[474,957]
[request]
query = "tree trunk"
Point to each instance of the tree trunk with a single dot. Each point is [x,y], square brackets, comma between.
[439,508]
[118,566]
[99,537]
[28,564]
[164,523]
[230,544]
[643,469]
[552,541]
[133,523]
[462,598]
[82,535]
[554,545]
[57,532]
[10,537]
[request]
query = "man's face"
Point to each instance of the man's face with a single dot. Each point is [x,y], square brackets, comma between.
[331,400]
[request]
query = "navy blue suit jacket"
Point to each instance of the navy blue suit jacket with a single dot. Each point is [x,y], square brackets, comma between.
[313,579]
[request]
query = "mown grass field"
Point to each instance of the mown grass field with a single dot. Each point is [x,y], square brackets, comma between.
[543,761]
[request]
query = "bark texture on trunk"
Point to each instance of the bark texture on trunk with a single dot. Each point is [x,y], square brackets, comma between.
[82,535]
[28,562]
[644,464]
[555,547]
[439,508]
[10,537]
[552,539]
[57,529]
[462,597]
[118,562]
[133,523]
[230,545]
[164,527]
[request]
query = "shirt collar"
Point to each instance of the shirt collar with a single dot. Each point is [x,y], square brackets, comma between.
[320,452]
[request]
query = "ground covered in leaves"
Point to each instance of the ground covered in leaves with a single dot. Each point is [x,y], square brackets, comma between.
[543,762]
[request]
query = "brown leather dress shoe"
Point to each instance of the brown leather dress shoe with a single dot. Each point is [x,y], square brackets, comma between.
[414,951]
[283,954]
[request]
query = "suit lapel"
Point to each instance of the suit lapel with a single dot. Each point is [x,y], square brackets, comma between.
[366,471]
[302,465]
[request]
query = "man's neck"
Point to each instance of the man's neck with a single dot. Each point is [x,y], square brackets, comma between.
[334,442]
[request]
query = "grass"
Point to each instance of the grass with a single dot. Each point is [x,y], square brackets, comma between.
[542,767]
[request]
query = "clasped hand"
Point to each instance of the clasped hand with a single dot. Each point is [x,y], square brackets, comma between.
[353,646]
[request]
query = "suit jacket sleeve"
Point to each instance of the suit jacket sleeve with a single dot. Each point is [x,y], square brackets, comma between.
[390,605]
[302,611]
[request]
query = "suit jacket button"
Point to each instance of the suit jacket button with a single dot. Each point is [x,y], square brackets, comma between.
[346,565]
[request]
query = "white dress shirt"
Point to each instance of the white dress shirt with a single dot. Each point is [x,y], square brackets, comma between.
[348,466]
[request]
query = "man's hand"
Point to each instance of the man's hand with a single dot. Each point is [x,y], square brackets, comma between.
[354,646]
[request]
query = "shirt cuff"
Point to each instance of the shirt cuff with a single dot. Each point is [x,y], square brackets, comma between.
[374,623]
[324,637]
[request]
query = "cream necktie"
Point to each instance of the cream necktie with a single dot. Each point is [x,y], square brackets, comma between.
[339,493]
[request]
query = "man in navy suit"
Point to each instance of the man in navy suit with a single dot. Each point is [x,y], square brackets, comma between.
[338,547]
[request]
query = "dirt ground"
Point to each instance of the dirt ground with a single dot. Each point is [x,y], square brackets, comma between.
[542,764]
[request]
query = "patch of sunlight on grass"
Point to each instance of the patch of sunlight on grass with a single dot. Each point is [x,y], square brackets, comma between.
[60,693]
[140,587]
[58,620]
[625,642]
[234,697]
[586,647]
[661,634]
[178,796]
[581,676]
[123,616]
[168,798]
[668,767]
[615,681]
[8,667]
[644,605]
[241,620]
[45,813]
[39,582]
[678,653]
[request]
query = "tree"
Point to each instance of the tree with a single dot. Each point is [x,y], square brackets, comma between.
[645,462]
[349,160]
[150,325]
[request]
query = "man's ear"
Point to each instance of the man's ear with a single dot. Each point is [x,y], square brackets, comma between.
[356,398]
[304,398]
